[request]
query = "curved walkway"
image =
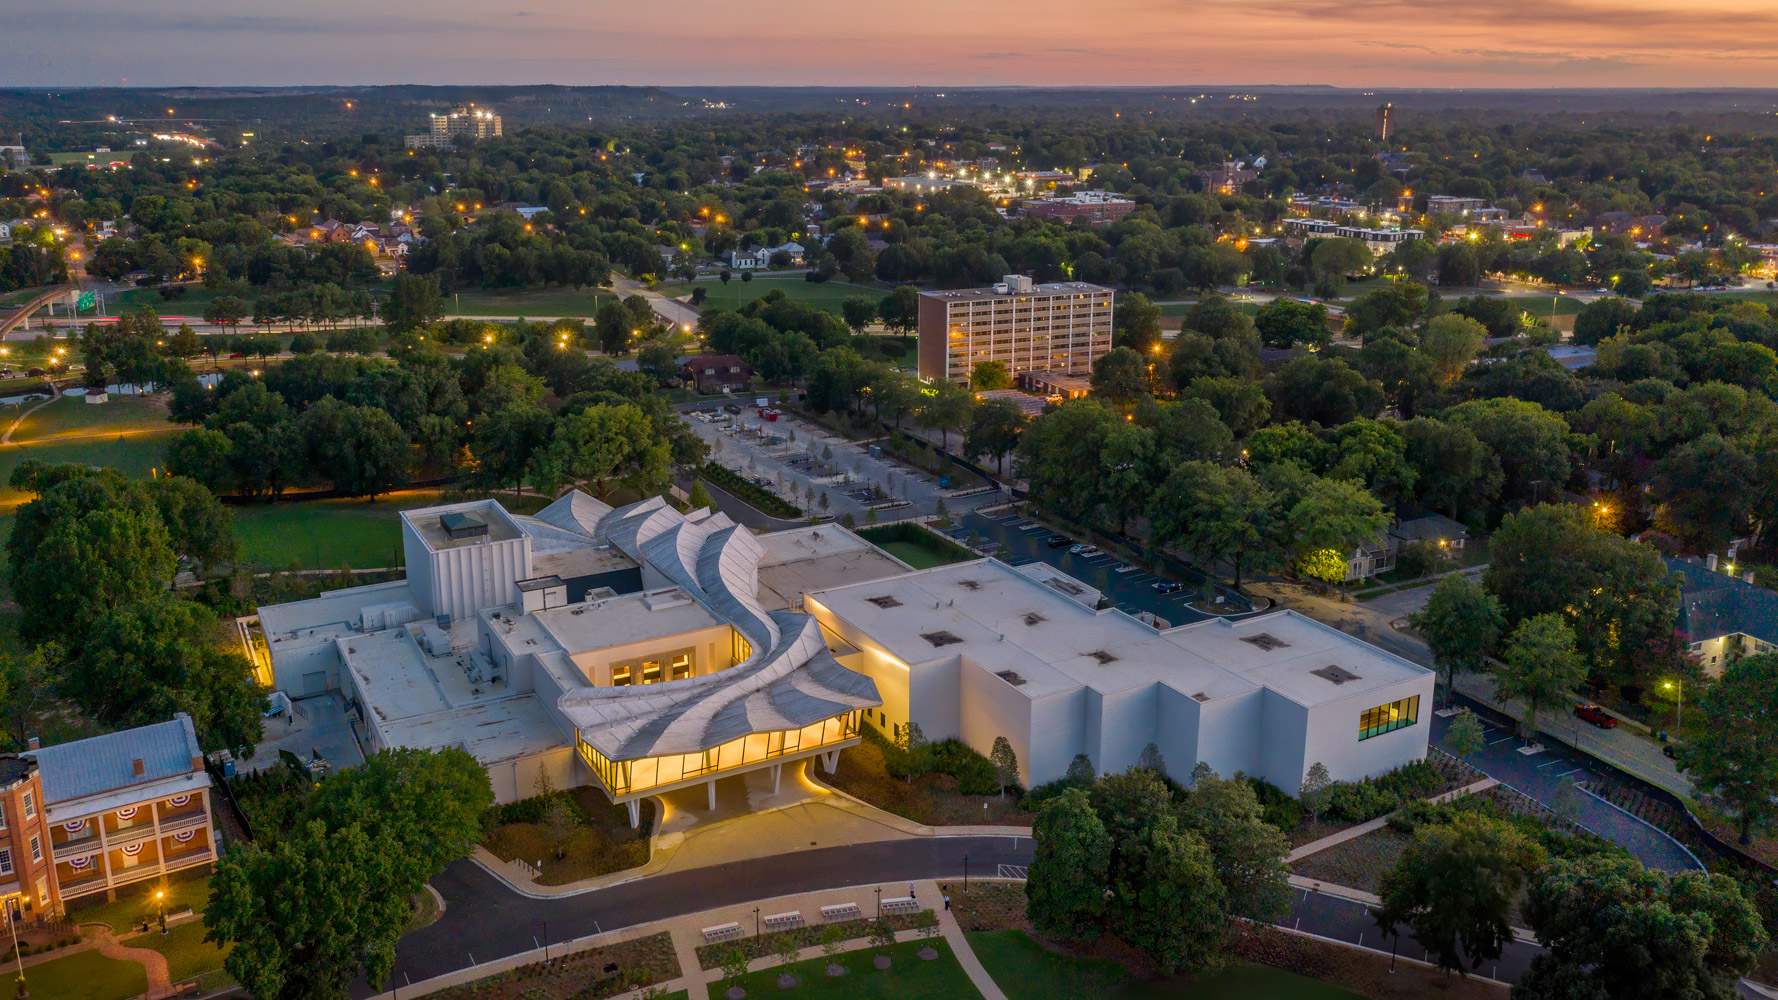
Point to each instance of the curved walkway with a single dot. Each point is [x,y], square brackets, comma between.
[160,982]
[7,438]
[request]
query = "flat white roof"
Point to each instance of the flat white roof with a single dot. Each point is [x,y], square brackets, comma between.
[324,617]
[1004,620]
[491,731]
[601,624]
[803,560]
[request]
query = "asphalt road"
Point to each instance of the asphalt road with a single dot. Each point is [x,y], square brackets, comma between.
[484,919]
[1349,921]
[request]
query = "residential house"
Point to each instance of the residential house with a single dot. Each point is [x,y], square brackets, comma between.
[717,372]
[1723,617]
[1436,529]
[745,260]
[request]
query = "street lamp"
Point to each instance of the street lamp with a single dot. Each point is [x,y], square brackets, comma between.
[1679,719]
[160,900]
[13,926]
[965,873]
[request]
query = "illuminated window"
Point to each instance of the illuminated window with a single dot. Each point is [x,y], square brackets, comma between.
[681,667]
[620,676]
[1388,718]
[5,861]
[651,672]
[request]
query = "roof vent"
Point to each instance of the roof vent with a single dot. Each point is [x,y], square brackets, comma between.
[1032,618]
[1336,673]
[1266,641]
[940,638]
[1010,676]
[1102,656]
[885,602]
[1201,696]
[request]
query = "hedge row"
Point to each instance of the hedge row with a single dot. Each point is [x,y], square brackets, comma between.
[749,493]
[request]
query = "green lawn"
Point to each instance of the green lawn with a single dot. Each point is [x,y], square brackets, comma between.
[126,433]
[824,294]
[1027,970]
[325,534]
[188,954]
[532,302]
[191,893]
[85,975]
[1539,305]
[917,556]
[908,977]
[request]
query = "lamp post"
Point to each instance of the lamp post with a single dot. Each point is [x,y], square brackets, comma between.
[1679,719]
[965,873]
[12,925]
[879,902]
[756,916]
[160,901]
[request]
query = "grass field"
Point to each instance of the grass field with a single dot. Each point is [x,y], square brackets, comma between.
[823,294]
[1027,970]
[188,893]
[941,979]
[86,975]
[533,302]
[326,534]
[126,433]
[188,954]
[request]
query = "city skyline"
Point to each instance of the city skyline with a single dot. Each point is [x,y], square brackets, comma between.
[1362,43]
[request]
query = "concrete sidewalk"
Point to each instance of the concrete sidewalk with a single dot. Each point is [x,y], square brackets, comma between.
[750,821]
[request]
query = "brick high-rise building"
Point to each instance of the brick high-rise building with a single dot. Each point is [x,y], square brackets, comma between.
[1063,327]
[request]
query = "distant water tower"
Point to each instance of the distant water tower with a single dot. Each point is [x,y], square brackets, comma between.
[1385,122]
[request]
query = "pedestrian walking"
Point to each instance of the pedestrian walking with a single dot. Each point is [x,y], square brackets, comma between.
[947,900]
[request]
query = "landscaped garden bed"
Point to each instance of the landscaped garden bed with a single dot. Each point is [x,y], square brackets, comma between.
[755,496]
[935,798]
[711,956]
[596,972]
[1358,863]
[599,842]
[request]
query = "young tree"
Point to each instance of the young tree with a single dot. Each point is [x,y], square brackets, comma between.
[1151,760]
[1616,929]
[1461,622]
[1464,736]
[734,961]
[561,822]
[1065,892]
[1006,764]
[1540,667]
[1733,759]
[926,923]
[699,497]
[1080,770]
[913,752]
[1454,886]
[1316,785]
[833,941]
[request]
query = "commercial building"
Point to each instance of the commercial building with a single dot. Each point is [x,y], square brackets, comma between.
[1056,385]
[644,651]
[88,817]
[1445,204]
[1097,207]
[1063,327]
[641,648]
[1380,241]
[463,122]
[980,650]
[924,183]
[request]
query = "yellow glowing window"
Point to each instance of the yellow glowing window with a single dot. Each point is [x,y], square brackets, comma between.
[620,676]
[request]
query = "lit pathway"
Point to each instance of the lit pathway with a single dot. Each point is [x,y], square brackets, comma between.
[160,982]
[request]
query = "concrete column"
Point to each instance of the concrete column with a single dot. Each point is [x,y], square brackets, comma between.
[105,858]
[777,774]
[160,849]
[635,807]
[711,787]
[830,760]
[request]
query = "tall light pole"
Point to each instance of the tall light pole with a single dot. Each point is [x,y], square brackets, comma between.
[12,925]
[1679,720]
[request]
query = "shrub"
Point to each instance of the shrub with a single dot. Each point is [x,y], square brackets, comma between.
[529,810]
[1277,808]
[974,773]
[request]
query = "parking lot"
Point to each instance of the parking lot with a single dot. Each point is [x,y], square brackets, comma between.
[1130,588]
[800,461]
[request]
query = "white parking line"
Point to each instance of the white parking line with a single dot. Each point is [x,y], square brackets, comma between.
[1565,774]
[1551,763]
[1503,739]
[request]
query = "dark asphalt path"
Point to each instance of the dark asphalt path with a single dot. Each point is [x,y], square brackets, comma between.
[1550,777]
[484,919]
[1351,922]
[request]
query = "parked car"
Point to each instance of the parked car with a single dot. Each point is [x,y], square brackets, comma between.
[1083,549]
[1667,748]
[733,408]
[1167,586]
[1596,715]
[1057,541]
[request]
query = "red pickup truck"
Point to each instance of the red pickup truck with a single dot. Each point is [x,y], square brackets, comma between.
[1596,715]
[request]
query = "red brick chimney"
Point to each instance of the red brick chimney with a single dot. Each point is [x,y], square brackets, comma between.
[137,767]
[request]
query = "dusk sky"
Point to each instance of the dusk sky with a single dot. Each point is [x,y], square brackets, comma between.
[1360,43]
